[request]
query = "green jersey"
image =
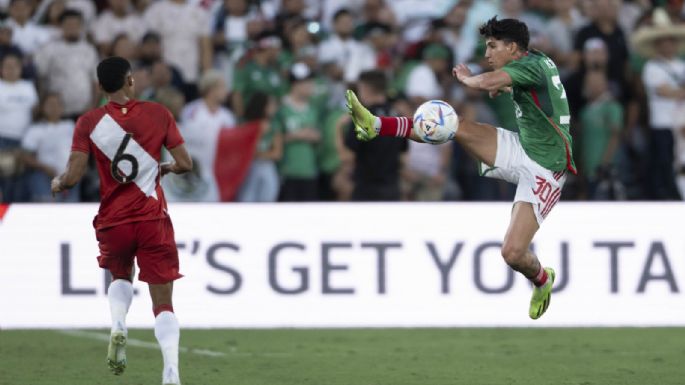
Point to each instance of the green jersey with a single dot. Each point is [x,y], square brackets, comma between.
[253,77]
[299,157]
[600,119]
[542,112]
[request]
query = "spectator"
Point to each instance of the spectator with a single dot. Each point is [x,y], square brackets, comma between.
[299,121]
[185,32]
[664,79]
[201,121]
[425,174]
[67,66]
[123,46]
[260,73]
[463,44]
[25,33]
[47,145]
[377,163]
[116,20]
[6,45]
[424,81]
[561,30]
[85,7]
[17,99]
[343,57]
[262,181]
[604,25]
[232,26]
[602,125]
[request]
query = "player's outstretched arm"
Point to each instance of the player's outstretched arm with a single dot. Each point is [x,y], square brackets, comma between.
[367,126]
[76,168]
[494,82]
[182,161]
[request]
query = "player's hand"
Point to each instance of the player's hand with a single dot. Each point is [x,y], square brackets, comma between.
[56,186]
[461,72]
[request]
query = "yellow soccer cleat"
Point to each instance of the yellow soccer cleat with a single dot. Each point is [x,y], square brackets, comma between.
[542,296]
[364,121]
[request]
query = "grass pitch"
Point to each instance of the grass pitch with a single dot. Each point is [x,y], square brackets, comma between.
[625,356]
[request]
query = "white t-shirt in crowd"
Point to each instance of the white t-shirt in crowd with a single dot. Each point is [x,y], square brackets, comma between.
[69,70]
[181,27]
[351,56]
[423,83]
[200,129]
[425,160]
[16,102]
[51,142]
[108,26]
[656,73]
[30,36]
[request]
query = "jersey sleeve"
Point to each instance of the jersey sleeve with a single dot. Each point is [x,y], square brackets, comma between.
[523,74]
[173,135]
[81,140]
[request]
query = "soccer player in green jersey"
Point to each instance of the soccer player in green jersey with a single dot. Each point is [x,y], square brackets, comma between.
[536,159]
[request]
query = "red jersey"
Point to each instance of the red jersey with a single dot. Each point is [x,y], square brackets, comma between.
[127,141]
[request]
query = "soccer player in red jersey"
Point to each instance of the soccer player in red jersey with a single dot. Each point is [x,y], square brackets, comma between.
[126,137]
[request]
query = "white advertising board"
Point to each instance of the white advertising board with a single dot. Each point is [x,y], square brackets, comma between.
[356,265]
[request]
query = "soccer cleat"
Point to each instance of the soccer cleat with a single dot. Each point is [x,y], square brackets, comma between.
[542,296]
[363,120]
[116,353]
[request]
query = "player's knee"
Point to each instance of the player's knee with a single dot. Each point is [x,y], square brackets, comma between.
[513,254]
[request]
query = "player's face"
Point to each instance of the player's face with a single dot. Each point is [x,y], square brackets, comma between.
[498,52]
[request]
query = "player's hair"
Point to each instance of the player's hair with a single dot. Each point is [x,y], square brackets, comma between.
[112,73]
[507,30]
[374,79]
[70,13]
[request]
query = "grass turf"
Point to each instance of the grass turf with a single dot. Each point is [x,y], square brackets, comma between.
[621,356]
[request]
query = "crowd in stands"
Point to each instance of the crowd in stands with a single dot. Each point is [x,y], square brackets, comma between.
[222,65]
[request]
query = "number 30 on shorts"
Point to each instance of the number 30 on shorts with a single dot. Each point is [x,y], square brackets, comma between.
[119,157]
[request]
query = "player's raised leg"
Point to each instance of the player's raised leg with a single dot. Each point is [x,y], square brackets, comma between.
[167,330]
[479,139]
[517,254]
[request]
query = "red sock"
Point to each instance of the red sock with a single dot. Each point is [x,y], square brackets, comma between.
[398,127]
[540,278]
[161,308]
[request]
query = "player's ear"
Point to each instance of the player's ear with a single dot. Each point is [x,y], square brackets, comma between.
[129,80]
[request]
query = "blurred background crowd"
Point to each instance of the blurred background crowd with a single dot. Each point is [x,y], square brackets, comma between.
[257,87]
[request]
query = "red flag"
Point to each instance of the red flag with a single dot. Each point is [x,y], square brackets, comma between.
[234,153]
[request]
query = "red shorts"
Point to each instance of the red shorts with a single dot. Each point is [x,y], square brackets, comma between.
[151,241]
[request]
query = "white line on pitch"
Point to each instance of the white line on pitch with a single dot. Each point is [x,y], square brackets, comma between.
[151,345]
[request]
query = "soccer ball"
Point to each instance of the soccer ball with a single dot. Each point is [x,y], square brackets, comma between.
[435,122]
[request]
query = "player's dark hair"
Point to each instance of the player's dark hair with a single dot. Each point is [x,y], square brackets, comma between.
[341,12]
[374,79]
[70,13]
[256,106]
[112,73]
[507,30]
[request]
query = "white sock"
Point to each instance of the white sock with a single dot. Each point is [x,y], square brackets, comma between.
[168,333]
[120,294]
